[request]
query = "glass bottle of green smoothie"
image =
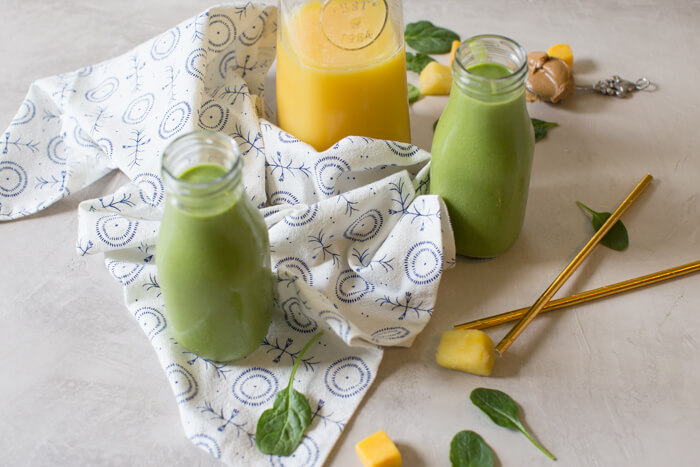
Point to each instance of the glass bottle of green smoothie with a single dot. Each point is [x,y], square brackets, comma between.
[483,146]
[212,252]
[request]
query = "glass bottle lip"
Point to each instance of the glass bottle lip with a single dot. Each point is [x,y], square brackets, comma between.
[490,48]
[201,147]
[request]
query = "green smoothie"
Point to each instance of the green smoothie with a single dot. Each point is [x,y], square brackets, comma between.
[214,271]
[481,160]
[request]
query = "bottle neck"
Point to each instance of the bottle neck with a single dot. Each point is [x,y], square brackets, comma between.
[490,68]
[202,173]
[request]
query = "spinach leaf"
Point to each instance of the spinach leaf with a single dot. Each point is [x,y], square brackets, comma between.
[541,128]
[616,238]
[418,61]
[281,428]
[468,449]
[413,93]
[424,36]
[503,411]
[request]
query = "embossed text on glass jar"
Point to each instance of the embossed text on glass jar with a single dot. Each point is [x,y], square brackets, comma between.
[341,70]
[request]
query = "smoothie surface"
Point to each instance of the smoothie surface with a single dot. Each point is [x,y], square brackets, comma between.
[202,173]
[489,70]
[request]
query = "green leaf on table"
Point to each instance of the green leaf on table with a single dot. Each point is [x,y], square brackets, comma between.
[281,428]
[541,128]
[616,238]
[468,449]
[424,36]
[413,93]
[503,411]
[416,62]
[435,124]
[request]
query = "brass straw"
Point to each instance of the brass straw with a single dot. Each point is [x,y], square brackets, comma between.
[573,265]
[586,296]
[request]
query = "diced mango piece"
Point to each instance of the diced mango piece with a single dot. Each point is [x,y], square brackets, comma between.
[562,51]
[378,450]
[467,350]
[435,78]
[455,44]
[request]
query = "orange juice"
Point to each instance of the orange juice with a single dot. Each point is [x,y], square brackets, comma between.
[326,92]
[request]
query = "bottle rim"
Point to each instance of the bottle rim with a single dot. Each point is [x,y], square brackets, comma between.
[190,146]
[497,86]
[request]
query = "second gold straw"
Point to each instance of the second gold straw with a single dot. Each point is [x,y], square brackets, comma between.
[587,296]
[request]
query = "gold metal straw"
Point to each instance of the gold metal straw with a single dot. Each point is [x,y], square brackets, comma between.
[573,265]
[586,296]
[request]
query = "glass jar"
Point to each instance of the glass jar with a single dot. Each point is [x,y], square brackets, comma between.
[212,252]
[483,146]
[341,70]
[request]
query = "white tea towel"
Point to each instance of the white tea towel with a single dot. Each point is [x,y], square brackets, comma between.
[358,250]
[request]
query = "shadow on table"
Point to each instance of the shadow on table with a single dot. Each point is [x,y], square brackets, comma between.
[409,456]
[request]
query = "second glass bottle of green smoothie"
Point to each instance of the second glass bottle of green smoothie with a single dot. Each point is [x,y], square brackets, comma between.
[483,146]
[213,253]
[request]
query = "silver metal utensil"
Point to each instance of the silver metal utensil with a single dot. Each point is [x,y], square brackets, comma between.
[614,86]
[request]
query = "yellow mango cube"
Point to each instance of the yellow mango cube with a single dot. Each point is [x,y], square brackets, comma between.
[435,79]
[455,44]
[562,51]
[468,350]
[378,450]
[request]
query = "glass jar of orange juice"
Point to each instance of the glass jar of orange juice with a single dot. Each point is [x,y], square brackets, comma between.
[341,70]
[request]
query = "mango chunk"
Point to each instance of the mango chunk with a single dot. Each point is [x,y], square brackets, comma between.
[378,450]
[467,350]
[455,44]
[562,51]
[435,79]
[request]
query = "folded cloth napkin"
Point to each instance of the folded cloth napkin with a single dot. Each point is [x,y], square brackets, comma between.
[358,251]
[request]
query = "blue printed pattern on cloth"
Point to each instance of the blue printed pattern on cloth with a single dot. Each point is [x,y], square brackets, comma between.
[357,247]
